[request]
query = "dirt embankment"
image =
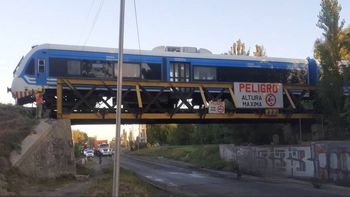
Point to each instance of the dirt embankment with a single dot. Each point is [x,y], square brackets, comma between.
[15,124]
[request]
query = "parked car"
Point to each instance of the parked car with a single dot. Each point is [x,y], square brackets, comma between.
[89,153]
[105,150]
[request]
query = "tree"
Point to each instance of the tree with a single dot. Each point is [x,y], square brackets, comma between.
[345,41]
[79,137]
[259,50]
[328,52]
[238,48]
[346,113]
[180,135]
[124,140]
[112,144]
[158,133]
[131,136]
[91,141]
[345,55]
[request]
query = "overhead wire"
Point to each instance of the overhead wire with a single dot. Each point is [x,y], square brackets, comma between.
[101,2]
[83,27]
[137,31]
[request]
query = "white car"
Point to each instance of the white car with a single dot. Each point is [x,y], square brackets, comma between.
[89,153]
[105,150]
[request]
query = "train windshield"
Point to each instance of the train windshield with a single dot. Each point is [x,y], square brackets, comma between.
[14,71]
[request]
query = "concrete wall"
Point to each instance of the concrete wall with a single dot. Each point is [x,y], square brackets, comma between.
[328,161]
[47,152]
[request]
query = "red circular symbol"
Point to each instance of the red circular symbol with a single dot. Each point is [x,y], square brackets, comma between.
[221,109]
[270,100]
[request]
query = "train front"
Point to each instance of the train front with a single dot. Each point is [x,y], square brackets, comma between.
[23,85]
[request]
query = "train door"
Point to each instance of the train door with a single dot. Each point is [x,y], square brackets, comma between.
[179,72]
[41,71]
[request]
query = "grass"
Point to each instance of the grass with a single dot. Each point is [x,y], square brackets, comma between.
[206,156]
[130,185]
[86,169]
[18,182]
[52,184]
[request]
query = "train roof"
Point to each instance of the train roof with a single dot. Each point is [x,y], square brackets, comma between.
[164,54]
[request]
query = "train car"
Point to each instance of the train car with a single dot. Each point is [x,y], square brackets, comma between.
[45,63]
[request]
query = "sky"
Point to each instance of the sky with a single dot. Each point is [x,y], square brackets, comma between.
[286,28]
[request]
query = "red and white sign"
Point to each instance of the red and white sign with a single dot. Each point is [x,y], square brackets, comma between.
[258,95]
[216,107]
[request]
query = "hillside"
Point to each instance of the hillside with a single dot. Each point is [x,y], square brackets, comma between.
[15,124]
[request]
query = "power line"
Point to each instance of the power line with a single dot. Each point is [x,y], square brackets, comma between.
[83,27]
[137,30]
[94,21]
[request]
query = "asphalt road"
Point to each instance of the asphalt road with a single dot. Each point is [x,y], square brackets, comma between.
[187,181]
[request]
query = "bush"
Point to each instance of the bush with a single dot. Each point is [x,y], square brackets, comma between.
[77,150]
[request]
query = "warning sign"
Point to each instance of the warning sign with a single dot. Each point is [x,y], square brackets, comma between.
[216,107]
[258,95]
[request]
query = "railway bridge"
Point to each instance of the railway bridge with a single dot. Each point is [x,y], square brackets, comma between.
[91,101]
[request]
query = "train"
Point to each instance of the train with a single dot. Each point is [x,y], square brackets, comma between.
[46,62]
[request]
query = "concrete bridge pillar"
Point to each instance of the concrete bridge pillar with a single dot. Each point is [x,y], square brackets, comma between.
[47,152]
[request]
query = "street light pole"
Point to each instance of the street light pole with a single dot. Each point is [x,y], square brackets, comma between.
[119,101]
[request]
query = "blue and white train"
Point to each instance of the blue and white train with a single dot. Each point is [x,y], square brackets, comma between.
[45,63]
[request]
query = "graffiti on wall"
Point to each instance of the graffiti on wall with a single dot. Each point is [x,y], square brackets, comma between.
[332,161]
[326,161]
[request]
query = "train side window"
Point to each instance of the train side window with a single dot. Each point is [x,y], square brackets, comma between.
[30,68]
[131,70]
[296,76]
[41,65]
[73,67]
[204,73]
[151,71]
[57,67]
[97,69]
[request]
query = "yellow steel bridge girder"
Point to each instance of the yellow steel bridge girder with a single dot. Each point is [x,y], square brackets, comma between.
[190,116]
[176,116]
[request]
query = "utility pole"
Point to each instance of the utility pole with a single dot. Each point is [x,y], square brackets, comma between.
[119,101]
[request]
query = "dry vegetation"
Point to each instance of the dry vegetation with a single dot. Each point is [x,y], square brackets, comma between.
[130,185]
[206,156]
[15,124]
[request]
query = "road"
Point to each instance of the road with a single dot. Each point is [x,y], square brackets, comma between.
[194,182]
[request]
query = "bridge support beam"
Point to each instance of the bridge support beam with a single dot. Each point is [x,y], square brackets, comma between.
[151,102]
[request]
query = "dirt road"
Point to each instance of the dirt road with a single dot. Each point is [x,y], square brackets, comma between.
[73,188]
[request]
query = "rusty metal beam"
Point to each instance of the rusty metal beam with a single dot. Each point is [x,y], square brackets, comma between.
[192,116]
[144,83]
[203,97]
[169,84]
[59,99]
[289,98]
[189,115]
[138,94]
[299,87]
[233,97]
